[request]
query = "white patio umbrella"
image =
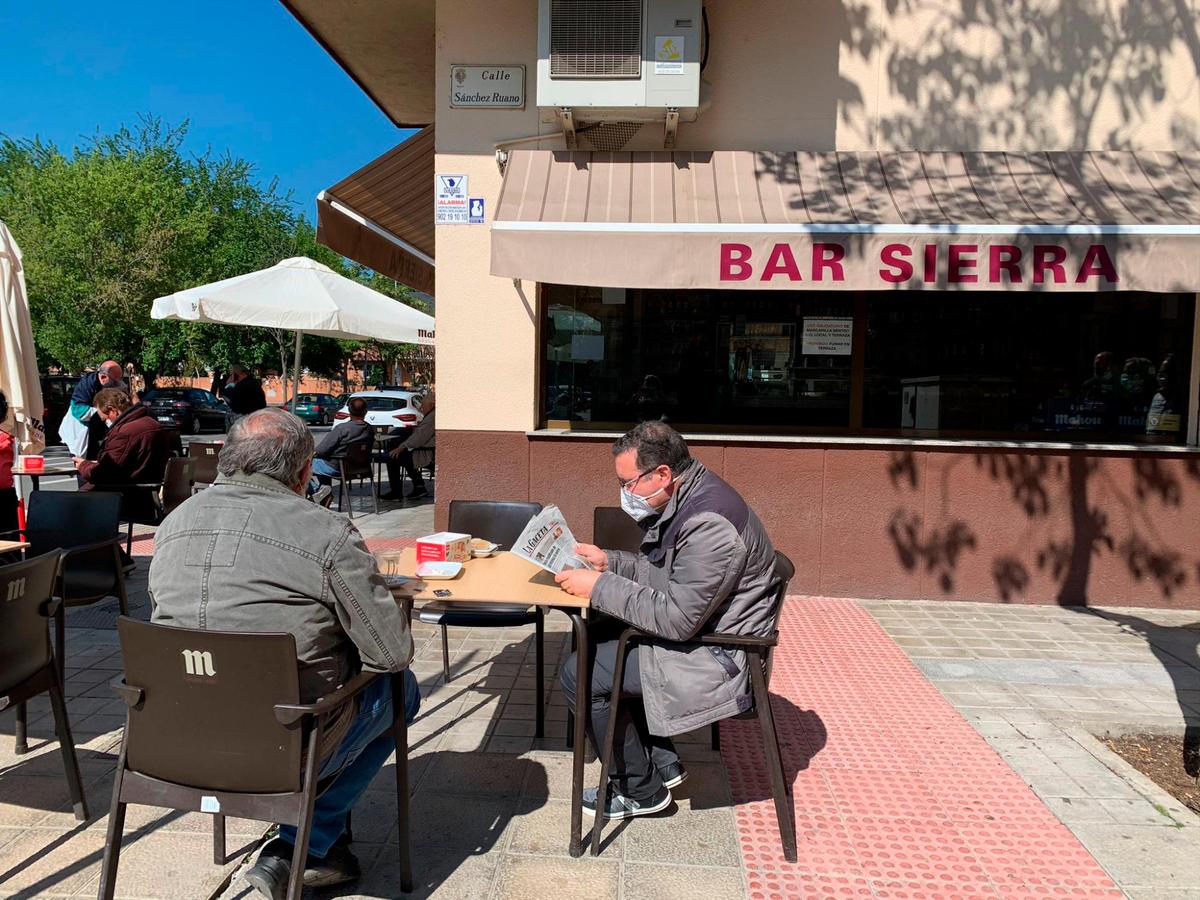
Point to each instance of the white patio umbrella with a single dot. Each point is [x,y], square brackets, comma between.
[19,378]
[300,295]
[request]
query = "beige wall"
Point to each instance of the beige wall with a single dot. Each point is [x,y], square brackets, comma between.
[814,74]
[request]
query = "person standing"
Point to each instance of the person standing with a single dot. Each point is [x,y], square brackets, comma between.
[108,375]
[244,394]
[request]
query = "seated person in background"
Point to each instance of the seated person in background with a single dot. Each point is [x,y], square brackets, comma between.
[284,564]
[421,438]
[135,451]
[333,445]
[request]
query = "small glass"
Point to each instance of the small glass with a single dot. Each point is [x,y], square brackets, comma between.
[389,561]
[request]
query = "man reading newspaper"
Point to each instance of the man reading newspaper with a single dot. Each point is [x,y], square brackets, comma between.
[705,565]
[548,542]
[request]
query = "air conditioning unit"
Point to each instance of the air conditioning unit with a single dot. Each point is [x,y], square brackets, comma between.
[619,60]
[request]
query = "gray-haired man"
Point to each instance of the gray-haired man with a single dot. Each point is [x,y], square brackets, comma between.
[251,554]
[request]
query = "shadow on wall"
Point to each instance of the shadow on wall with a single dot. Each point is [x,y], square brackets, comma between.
[1021,74]
[1066,528]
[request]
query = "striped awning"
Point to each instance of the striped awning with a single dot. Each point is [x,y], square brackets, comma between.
[382,215]
[756,220]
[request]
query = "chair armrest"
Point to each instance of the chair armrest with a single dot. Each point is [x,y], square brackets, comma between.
[289,713]
[127,692]
[88,548]
[11,531]
[741,640]
[51,607]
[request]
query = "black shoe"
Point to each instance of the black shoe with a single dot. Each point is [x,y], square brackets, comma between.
[417,492]
[392,497]
[673,775]
[622,807]
[338,867]
[271,871]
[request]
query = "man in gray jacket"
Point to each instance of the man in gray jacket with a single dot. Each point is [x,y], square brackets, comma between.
[705,565]
[251,554]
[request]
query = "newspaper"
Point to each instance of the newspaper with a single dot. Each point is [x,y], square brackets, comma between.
[548,542]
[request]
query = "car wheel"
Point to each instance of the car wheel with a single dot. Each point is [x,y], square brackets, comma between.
[194,427]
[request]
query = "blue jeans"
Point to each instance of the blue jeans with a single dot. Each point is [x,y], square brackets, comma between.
[357,760]
[322,472]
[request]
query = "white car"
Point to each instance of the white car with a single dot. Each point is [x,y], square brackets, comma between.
[397,409]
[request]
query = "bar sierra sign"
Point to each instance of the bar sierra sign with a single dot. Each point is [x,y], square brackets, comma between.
[931,263]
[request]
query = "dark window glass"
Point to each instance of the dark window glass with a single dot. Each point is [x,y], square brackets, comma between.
[1052,367]
[383,404]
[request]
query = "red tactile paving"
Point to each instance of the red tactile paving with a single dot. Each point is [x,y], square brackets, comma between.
[895,794]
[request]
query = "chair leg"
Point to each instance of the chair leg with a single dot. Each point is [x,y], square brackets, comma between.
[122,594]
[60,643]
[374,492]
[112,842]
[762,706]
[129,539]
[570,712]
[606,749]
[66,746]
[716,736]
[304,826]
[218,840]
[540,691]
[400,736]
[445,654]
[20,730]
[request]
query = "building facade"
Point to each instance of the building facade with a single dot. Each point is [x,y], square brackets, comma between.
[919,279]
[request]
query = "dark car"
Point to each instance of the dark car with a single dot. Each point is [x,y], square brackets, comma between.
[316,409]
[187,409]
[56,400]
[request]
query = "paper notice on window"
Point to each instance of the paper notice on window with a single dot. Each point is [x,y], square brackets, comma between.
[827,337]
[547,542]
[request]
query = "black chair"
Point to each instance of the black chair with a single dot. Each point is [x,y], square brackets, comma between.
[614,529]
[177,484]
[501,522]
[214,724]
[204,457]
[356,464]
[759,652]
[27,667]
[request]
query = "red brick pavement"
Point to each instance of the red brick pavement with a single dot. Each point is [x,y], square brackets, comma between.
[895,794]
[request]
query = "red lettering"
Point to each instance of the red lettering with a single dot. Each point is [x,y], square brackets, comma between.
[1004,258]
[931,254]
[1049,258]
[781,262]
[828,256]
[735,262]
[896,256]
[1097,263]
[960,263]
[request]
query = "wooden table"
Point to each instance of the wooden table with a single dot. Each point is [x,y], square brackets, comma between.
[51,468]
[13,546]
[505,578]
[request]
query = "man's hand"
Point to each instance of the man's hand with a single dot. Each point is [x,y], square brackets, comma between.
[395,454]
[594,555]
[578,582]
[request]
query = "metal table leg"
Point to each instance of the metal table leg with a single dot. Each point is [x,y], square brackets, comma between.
[583,703]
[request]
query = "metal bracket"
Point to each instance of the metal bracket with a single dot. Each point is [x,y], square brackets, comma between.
[568,126]
[672,128]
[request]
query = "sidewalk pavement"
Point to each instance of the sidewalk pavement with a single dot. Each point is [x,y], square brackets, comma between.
[896,794]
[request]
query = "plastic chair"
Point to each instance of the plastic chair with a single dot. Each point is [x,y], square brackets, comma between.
[356,464]
[759,652]
[501,522]
[214,723]
[204,457]
[177,484]
[27,668]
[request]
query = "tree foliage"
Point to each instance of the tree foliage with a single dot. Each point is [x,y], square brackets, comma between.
[129,217]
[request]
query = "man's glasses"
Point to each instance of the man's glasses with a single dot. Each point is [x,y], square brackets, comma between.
[628,485]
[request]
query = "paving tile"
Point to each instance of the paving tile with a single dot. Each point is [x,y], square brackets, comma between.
[561,878]
[48,861]
[698,837]
[543,829]
[437,875]
[681,882]
[490,775]
[469,823]
[171,866]
[1143,855]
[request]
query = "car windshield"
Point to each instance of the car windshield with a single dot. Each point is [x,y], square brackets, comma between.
[383,404]
[310,398]
[167,394]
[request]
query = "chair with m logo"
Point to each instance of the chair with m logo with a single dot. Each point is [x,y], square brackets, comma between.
[214,724]
[27,667]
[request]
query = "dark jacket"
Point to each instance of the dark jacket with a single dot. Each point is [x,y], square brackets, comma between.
[87,388]
[246,396]
[250,555]
[135,451]
[333,445]
[705,565]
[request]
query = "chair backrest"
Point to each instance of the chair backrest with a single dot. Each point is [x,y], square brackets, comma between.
[207,717]
[177,483]
[614,529]
[25,589]
[357,461]
[498,521]
[204,458]
[72,519]
[785,569]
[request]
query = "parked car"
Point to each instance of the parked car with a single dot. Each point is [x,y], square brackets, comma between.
[56,400]
[399,409]
[187,409]
[316,409]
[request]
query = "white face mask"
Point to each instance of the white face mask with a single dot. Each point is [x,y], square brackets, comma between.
[637,506]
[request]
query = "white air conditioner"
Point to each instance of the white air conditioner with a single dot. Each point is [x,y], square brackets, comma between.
[619,60]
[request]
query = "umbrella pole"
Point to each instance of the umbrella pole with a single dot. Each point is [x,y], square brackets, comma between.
[296,372]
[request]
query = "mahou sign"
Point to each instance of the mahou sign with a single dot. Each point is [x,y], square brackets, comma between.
[903,264]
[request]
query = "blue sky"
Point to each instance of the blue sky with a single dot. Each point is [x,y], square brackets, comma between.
[246,75]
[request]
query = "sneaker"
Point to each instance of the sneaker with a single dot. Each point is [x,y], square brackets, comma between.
[323,496]
[622,807]
[417,493]
[270,873]
[338,867]
[673,775]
